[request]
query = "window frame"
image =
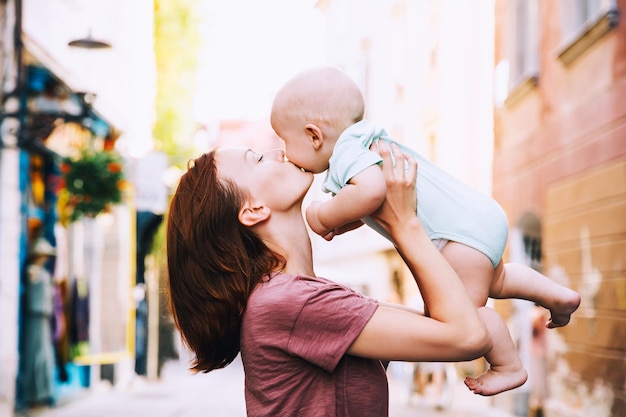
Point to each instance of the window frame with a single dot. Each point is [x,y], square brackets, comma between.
[581,31]
[523,48]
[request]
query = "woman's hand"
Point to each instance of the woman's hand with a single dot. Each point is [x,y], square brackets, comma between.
[454,331]
[400,171]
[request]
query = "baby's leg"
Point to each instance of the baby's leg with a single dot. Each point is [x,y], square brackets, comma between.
[474,269]
[506,370]
[520,281]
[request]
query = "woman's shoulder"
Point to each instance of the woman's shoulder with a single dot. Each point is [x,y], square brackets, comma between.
[285,292]
[286,285]
[287,298]
[301,283]
[282,297]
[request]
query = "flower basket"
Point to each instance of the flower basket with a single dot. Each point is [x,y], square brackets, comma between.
[92,182]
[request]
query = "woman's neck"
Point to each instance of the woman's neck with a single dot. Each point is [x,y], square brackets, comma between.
[290,238]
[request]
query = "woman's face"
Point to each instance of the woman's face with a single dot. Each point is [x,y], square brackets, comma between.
[268,176]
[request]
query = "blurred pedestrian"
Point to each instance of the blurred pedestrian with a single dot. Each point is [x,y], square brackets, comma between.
[37,344]
[538,363]
[241,278]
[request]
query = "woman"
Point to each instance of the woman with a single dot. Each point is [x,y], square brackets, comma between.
[241,278]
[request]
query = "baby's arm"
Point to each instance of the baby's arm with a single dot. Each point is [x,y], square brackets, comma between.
[363,194]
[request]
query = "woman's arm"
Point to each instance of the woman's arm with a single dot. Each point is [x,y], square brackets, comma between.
[359,198]
[454,330]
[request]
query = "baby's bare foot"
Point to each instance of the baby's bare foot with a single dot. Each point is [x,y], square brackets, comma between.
[493,381]
[561,314]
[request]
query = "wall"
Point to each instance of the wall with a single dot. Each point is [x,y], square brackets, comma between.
[585,225]
[560,154]
[9,233]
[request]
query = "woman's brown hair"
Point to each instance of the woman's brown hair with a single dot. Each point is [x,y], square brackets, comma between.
[214,263]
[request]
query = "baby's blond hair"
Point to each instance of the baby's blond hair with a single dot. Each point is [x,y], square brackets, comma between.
[322,95]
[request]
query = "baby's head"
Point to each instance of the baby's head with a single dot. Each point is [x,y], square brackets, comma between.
[311,110]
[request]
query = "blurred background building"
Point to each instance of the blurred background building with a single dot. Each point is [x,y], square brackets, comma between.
[559,172]
[76,76]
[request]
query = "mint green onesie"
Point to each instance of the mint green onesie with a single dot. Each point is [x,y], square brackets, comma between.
[447,207]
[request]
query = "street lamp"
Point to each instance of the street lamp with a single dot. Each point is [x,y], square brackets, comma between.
[24,124]
[89,43]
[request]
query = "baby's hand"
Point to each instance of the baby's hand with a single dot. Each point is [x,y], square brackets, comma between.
[314,223]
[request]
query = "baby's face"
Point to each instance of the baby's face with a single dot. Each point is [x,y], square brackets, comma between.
[299,150]
[299,147]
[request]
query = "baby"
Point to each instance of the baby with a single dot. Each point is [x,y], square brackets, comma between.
[319,115]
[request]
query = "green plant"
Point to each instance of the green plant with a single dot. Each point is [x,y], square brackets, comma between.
[92,182]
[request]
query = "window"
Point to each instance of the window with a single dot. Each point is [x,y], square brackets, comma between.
[583,23]
[523,46]
[518,72]
[529,229]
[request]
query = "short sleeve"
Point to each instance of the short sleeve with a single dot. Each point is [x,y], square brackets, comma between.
[328,324]
[351,155]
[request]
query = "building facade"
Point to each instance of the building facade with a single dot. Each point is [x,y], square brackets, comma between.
[560,160]
[76,75]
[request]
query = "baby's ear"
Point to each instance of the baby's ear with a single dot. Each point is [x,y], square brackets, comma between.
[315,134]
[251,215]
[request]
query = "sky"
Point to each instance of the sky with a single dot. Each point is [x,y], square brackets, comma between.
[250,48]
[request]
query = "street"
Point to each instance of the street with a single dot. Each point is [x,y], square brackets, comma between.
[220,394]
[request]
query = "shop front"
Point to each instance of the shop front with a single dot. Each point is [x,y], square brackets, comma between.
[74,110]
[75,315]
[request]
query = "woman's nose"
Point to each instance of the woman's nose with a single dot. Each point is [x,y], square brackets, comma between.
[275,154]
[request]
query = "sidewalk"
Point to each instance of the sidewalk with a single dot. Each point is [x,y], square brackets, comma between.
[220,394]
[463,403]
[176,394]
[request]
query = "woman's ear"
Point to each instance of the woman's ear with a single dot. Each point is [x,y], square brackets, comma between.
[251,215]
[315,134]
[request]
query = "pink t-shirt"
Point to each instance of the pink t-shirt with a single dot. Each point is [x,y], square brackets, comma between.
[294,337]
